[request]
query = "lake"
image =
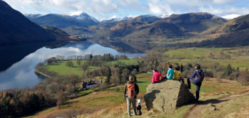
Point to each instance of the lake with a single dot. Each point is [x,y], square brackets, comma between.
[21,73]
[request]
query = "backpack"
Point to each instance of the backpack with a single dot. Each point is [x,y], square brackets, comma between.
[200,76]
[131,90]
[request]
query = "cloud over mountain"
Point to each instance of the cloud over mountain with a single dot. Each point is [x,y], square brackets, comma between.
[103,9]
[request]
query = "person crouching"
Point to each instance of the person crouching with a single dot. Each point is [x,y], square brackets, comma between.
[130,93]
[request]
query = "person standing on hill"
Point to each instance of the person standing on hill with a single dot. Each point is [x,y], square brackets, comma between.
[196,79]
[156,77]
[130,93]
[170,72]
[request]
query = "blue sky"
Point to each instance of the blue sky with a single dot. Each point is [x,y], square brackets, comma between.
[106,9]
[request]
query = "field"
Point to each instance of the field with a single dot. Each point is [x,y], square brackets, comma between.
[189,55]
[62,69]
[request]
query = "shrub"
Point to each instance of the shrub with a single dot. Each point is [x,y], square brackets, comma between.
[219,80]
[117,89]
[208,73]
[243,78]
[103,86]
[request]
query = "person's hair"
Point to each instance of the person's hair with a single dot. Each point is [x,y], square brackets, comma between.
[198,66]
[155,70]
[170,66]
[177,67]
[131,78]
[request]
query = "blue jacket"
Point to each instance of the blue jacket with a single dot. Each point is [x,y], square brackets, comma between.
[198,75]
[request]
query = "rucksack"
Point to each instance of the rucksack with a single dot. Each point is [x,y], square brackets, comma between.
[200,76]
[131,90]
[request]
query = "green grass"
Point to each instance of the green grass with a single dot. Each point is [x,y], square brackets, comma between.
[62,69]
[143,83]
[86,91]
[126,61]
[189,56]
[193,52]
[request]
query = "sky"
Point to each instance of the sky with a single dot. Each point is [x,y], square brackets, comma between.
[107,9]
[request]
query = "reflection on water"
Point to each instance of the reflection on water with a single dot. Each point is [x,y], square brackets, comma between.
[22,74]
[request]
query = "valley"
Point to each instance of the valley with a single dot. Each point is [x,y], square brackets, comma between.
[73,65]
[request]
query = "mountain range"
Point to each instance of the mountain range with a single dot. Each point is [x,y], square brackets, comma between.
[208,29]
[63,20]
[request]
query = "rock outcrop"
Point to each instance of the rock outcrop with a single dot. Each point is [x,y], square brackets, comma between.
[168,95]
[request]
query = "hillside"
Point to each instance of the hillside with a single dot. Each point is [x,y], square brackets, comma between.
[144,28]
[61,35]
[16,28]
[195,22]
[63,21]
[233,33]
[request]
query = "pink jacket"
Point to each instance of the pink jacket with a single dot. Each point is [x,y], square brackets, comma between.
[156,77]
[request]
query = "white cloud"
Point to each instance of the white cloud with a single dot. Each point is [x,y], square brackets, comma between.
[104,9]
[91,6]
[158,7]
[225,11]
[231,16]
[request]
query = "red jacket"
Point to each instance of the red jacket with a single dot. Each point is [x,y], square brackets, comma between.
[156,77]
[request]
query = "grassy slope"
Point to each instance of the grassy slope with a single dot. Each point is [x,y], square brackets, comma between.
[110,103]
[242,62]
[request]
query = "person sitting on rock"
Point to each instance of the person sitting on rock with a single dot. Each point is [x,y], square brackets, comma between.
[156,77]
[178,74]
[196,79]
[130,93]
[170,72]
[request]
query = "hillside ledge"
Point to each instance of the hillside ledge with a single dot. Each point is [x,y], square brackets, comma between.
[168,95]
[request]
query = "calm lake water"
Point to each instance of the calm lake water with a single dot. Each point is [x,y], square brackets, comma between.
[21,74]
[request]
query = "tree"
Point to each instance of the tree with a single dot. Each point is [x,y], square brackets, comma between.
[156,64]
[78,62]
[108,75]
[74,79]
[134,71]
[69,63]
[84,67]
[228,70]
[61,97]
[120,74]
[211,56]
[182,68]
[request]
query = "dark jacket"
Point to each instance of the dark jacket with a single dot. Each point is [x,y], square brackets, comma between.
[136,89]
[198,75]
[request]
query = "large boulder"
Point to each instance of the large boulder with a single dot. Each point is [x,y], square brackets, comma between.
[168,95]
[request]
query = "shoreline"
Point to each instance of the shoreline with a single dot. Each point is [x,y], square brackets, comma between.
[41,73]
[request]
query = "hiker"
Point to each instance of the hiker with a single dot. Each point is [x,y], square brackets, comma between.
[196,79]
[156,77]
[170,72]
[130,94]
[178,74]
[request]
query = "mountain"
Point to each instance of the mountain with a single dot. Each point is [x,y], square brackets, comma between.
[117,19]
[62,35]
[16,28]
[148,27]
[65,20]
[233,33]
[82,16]
[146,18]
[195,22]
